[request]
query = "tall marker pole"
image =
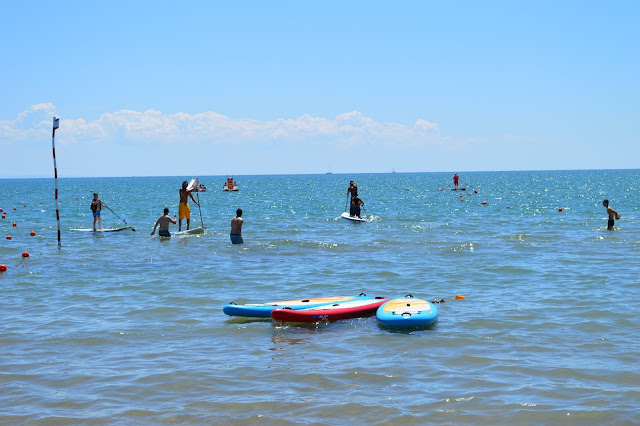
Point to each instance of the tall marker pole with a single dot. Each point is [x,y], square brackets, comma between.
[56,121]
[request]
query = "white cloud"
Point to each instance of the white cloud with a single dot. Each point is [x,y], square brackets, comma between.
[210,127]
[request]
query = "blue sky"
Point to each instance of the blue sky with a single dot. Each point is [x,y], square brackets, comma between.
[268,87]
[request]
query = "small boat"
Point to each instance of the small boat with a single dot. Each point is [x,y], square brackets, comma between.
[230,185]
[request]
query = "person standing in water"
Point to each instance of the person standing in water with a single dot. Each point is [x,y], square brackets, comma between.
[236,228]
[164,222]
[96,206]
[612,215]
[184,211]
[456,178]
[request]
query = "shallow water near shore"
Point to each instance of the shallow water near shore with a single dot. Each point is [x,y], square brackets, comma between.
[128,328]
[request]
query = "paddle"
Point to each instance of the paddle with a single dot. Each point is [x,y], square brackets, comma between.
[347,203]
[449,185]
[199,209]
[474,188]
[125,222]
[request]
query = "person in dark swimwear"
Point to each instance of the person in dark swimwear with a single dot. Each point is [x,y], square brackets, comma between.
[612,215]
[236,228]
[164,222]
[353,189]
[356,202]
[96,206]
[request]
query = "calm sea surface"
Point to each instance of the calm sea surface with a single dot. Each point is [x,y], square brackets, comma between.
[125,328]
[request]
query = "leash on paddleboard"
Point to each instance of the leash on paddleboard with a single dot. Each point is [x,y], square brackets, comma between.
[125,222]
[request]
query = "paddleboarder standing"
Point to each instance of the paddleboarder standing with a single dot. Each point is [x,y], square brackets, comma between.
[96,206]
[183,209]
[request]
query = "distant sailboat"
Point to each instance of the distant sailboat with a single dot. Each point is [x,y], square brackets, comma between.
[329,172]
[393,171]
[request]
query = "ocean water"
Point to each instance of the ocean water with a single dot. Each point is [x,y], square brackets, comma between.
[125,328]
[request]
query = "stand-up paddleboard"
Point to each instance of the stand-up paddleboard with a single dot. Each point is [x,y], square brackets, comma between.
[192,231]
[407,313]
[346,215]
[459,188]
[263,310]
[103,229]
[361,307]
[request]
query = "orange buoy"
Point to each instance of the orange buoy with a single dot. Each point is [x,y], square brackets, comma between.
[25,205]
[560,209]
[8,237]
[33,233]
[25,254]
[460,297]
[3,268]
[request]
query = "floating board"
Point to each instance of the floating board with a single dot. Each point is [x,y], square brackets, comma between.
[361,307]
[263,310]
[459,188]
[192,231]
[103,229]
[407,313]
[346,215]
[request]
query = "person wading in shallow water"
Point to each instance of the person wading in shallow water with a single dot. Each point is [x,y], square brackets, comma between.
[236,228]
[612,215]
[164,222]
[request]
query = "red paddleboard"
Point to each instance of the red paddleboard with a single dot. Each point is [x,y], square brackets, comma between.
[342,310]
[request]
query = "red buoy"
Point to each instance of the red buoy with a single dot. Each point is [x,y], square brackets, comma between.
[8,237]
[25,254]
[25,205]
[33,234]
[3,268]
[484,202]
[15,208]
[507,206]
[14,224]
[560,209]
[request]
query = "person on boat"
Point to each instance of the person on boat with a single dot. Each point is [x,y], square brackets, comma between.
[612,215]
[236,228]
[164,221]
[96,206]
[184,211]
[356,202]
[456,178]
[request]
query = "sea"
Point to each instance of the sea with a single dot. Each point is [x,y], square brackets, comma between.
[128,328]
